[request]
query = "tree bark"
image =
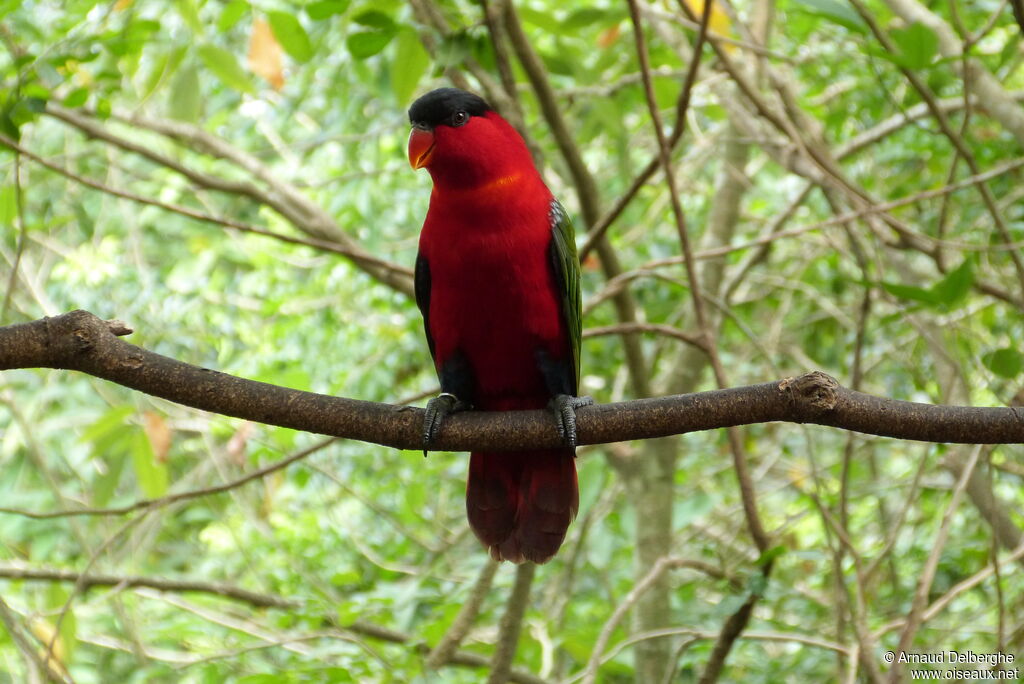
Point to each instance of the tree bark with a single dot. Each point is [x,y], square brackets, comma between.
[81,341]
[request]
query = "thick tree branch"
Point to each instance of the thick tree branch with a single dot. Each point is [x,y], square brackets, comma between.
[80,341]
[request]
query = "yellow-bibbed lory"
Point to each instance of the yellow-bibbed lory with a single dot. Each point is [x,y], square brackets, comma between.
[498,283]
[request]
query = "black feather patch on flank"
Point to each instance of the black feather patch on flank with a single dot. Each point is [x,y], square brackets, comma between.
[437,106]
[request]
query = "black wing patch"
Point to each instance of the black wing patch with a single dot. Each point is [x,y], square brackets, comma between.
[421,285]
[455,373]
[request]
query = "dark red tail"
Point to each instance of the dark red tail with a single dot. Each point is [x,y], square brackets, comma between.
[520,504]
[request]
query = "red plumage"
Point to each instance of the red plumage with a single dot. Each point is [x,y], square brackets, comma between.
[493,305]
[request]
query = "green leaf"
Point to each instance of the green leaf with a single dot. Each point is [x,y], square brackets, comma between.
[290,34]
[76,98]
[375,19]
[56,597]
[318,11]
[106,484]
[36,91]
[688,509]
[591,480]
[225,66]
[110,422]
[103,108]
[836,12]
[158,69]
[185,100]
[532,15]
[260,679]
[152,475]
[69,634]
[190,14]
[909,292]
[411,62]
[7,125]
[955,285]
[8,205]
[918,45]
[365,44]
[163,67]
[945,293]
[453,49]
[110,441]
[1005,362]
[26,110]
[756,584]
[560,63]
[482,50]
[231,14]
[771,554]
[585,17]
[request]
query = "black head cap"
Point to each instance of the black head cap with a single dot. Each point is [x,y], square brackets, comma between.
[438,106]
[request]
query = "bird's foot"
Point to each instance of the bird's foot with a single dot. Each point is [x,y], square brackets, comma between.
[564,407]
[439,408]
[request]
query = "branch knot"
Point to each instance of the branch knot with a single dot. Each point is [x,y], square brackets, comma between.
[83,340]
[814,392]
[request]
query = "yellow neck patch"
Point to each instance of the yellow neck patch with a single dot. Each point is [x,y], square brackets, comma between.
[495,186]
[502,182]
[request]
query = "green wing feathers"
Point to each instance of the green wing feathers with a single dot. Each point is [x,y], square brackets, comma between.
[567,276]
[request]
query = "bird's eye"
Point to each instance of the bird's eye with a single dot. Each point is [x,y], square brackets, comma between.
[460,118]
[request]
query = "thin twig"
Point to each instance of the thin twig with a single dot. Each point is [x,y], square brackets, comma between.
[463,622]
[49,666]
[22,572]
[153,504]
[586,190]
[619,282]
[258,600]
[738,621]
[915,616]
[80,583]
[663,564]
[746,487]
[947,129]
[654,328]
[598,231]
[356,255]
[511,624]
[699,634]
[939,604]
[19,215]
[285,199]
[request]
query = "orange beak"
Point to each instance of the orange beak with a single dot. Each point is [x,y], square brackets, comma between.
[421,144]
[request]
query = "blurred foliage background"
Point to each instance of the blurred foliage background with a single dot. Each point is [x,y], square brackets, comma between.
[829,175]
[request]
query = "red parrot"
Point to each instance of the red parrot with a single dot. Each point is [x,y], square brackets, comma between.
[498,283]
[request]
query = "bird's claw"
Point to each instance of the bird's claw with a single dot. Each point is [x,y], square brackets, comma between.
[564,407]
[439,408]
